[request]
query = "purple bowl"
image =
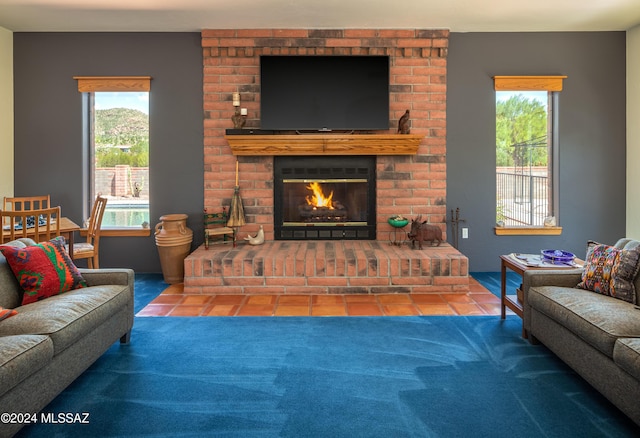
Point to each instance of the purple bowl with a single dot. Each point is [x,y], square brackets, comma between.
[557,256]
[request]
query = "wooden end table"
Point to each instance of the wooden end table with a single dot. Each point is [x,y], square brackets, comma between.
[514,301]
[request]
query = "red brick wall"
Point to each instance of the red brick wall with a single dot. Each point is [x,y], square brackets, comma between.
[115,181]
[408,185]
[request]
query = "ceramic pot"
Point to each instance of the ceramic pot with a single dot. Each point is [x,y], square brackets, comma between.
[173,240]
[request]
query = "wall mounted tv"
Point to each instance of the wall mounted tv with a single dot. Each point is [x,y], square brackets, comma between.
[324,93]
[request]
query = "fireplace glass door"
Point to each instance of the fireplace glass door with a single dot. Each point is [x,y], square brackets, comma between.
[325,198]
[330,202]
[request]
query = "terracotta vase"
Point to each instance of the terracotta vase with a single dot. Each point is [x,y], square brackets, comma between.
[173,240]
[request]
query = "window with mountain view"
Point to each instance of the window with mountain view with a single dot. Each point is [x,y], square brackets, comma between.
[116,149]
[120,156]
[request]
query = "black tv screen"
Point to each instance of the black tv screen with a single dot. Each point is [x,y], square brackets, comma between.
[324,92]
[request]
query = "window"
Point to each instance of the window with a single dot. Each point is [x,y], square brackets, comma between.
[526,180]
[116,115]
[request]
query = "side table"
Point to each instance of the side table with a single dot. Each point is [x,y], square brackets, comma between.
[514,301]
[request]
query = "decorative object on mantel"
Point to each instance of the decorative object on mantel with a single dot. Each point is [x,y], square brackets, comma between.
[424,232]
[258,239]
[239,117]
[236,212]
[404,124]
[173,240]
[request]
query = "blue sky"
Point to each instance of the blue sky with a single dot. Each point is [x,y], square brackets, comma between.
[128,99]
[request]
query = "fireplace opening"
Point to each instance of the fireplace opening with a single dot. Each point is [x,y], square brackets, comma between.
[324,198]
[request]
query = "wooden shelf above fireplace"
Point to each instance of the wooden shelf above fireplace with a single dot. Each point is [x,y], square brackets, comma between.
[325,144]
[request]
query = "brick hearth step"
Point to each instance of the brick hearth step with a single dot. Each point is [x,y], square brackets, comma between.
[325,267]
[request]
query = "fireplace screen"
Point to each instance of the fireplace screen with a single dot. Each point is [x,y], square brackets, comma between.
[324,198]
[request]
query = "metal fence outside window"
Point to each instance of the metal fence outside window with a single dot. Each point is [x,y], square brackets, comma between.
[523,199]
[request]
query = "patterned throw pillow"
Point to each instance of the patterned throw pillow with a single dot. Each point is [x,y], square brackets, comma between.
[611,271]
[43,270]
[5,313]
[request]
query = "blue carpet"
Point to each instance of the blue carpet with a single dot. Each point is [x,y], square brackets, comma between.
[330,377]
[491,280]
[147,287]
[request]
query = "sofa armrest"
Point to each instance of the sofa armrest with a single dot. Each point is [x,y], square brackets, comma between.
[99,277]
[551,277]
[545,277]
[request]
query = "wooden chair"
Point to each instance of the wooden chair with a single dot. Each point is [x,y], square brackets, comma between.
[22,203]
[40,224]
[26,203]
[216,229]
[90,248]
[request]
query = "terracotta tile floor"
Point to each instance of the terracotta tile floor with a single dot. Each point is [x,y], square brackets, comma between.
[174,302]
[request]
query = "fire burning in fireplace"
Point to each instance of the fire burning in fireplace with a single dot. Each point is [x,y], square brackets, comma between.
[320,207]
[324,197]
[319,199]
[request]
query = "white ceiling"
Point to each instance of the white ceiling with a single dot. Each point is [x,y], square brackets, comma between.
[195,15]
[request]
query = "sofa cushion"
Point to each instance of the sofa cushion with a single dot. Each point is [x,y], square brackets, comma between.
[626,354]
[598,319]
[10,292]
[69,316]
[21,356]
[611,271]
[6,313]
[43,270]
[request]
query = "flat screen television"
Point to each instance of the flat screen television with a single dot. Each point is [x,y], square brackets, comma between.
[324,93]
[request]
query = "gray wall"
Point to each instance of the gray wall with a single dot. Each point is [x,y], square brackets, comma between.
[592,136]
[48,130]
[48,124]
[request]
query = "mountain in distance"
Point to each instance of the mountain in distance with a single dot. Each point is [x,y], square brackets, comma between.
[121,126]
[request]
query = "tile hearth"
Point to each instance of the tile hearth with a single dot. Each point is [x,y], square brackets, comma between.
[174,302]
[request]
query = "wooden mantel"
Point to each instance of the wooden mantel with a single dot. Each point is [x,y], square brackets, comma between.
[325,144]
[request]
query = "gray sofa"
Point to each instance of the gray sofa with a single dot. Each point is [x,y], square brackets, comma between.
[49,343]
[596,335]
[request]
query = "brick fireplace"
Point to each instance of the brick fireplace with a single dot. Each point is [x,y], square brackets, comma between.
[408,184]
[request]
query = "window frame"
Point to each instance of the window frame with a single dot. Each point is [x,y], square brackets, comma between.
[87,85]
[552,84]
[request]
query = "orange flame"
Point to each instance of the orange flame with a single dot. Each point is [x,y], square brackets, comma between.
[318,199]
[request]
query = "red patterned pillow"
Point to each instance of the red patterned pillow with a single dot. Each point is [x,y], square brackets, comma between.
[43,270]
[611,271]
[5,313]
